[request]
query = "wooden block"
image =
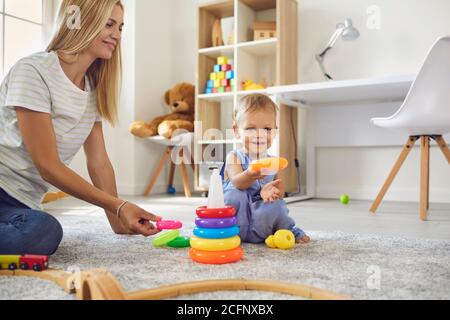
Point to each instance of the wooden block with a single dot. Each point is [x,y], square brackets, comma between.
[224,83]
[264,30]
[221,75]
[217,68]
[228,89]
[226,67]
[222,60]
[214,90]
[210,84]
[265,25]
[229,75]
[216,83]
[209,90]
[264,34]
[213,76]
[221,90]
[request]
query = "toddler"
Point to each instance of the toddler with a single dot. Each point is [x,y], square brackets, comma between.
[258,198]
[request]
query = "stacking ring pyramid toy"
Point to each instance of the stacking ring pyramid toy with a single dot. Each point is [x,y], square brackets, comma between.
[216,235]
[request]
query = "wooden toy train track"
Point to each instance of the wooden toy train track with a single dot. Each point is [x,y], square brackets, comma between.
[102,285]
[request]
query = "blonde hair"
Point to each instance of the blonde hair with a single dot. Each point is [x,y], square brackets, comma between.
[69,41]
[254,102]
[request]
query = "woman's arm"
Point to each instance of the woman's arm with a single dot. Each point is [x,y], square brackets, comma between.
[101,171]
[241,179]
[39,138]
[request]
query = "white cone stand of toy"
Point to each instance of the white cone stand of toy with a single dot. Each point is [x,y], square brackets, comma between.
[216,235]
[215,196]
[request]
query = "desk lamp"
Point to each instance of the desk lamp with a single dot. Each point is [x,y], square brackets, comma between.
[344,30]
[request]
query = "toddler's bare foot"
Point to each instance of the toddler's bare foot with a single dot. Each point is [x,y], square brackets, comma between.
[305,239]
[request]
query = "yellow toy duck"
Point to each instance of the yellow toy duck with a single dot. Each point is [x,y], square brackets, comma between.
[249,85]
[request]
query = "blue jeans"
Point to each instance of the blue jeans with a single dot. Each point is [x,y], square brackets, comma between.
[26,231]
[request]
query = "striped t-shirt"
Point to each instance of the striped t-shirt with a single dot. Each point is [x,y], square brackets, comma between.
[38,83]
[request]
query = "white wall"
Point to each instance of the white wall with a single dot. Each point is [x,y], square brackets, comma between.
[408,29]
[147,73]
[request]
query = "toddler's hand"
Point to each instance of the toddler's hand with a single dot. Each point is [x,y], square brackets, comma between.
[253,174]
[270,192]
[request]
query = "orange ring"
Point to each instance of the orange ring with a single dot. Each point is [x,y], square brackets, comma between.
[215,213]
[270,164]
[217,257]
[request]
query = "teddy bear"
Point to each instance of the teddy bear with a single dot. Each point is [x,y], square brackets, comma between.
[181,101]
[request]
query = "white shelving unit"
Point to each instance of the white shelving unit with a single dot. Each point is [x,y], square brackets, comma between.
[262,61]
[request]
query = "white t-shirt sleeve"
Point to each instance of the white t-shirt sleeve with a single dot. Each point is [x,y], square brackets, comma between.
[27,89]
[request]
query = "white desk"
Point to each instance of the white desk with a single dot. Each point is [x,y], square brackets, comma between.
[336,93]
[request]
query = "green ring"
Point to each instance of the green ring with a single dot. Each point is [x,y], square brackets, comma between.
[180,242]
[165,238]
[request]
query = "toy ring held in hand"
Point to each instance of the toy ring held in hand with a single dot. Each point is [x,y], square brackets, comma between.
[217,257]
[215,213]
[215,244]
[269,166]
[216,223]
[165,238]
[169,225]
[218,233]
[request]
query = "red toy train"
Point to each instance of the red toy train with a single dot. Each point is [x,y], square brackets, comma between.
[25,262]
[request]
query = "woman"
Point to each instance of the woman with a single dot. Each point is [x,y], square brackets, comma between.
[51,104]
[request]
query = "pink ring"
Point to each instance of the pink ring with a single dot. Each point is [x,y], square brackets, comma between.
[215,213]
[169,225]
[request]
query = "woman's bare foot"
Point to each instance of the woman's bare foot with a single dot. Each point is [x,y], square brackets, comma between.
[304,240]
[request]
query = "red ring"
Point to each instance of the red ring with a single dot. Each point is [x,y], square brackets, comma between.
[215,213]
[216,257]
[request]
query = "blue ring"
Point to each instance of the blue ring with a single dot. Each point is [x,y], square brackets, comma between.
[221,233]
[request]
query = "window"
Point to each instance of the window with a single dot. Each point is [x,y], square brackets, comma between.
[24,29]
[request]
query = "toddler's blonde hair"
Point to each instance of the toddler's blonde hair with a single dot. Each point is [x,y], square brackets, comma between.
[254,102]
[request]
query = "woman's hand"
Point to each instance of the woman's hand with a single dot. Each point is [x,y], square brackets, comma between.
[271,192]
[138,221]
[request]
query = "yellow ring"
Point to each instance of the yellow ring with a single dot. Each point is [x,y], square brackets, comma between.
[215,244]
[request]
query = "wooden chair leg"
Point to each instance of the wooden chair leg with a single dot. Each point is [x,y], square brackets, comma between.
[172,174]
[187,188]
[424,176]
[444,147]
[401,159]
[157,171]
[192,164]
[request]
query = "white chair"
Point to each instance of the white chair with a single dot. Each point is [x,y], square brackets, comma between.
[175,150]
[424,115]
